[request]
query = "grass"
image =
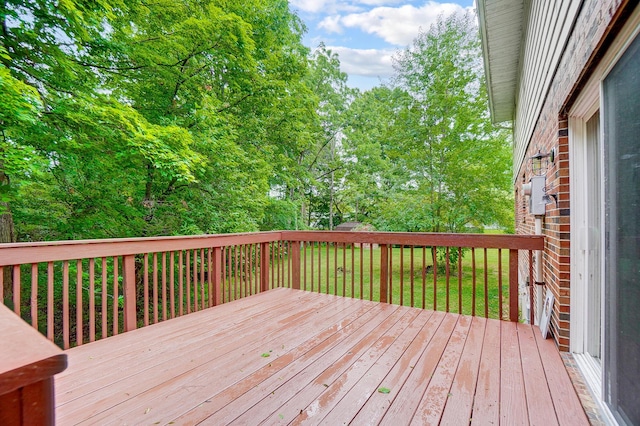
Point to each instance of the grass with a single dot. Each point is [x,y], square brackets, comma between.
[353,272]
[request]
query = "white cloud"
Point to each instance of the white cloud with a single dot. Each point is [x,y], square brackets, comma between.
[331,24]
[398,26]
[310,5]
[380,2]
[330,6]
[365,62]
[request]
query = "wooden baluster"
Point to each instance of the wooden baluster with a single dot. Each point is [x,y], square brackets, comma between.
[245,267]
[164,285]
[486,286]
[210,275]
[401,275]
[460,280]
[264,266]
[335,269]
[272,254]
[230,271]
[155,288]
[116,307]
[92,300]
[344,269]
[513,285]
[34,295]
[216,275]
[434,257]
[104,330]
[424,276]
[384,272]
[225,293]
[187,262]
[447,278]
[473,291]
[500,284]
[245,263]
[79,324]
[319,267]
[129,292]
[327,266]
[65,304]
[172,284]
[371,271]
[289,283]
[295,264]
[276,265]
[256,265]
[304,264]
[203,262]
[353,269]
[145,284]
[532,284]
[195,280]
[412,279]
[361,271]
[312,262]
[390,274]
[50,326]
[180,284]
[17,289]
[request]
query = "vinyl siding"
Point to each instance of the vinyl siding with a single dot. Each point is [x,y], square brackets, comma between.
[548,28]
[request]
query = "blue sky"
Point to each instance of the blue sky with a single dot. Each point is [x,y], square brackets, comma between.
[367,33]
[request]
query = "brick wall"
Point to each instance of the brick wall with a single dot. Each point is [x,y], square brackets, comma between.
[597,24]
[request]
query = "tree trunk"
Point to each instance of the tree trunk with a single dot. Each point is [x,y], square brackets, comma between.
[7,235]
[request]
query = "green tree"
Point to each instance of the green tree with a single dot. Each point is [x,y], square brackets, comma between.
[325,161]
[152,118]
[452,163]
[371,149]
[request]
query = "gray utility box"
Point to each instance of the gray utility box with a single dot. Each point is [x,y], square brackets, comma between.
[537,203]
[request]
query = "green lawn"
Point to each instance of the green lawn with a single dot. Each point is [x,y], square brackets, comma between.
[350,272]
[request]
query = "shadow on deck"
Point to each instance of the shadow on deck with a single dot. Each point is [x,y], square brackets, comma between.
[288,356]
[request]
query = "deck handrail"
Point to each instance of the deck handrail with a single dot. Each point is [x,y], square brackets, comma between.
[48,251]
[519,242]
[146,280]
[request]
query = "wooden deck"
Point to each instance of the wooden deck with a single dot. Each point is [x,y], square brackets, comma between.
[289,356]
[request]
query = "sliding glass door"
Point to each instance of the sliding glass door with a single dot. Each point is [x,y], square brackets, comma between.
[621,121]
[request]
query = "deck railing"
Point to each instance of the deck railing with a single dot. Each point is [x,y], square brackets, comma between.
[76,292]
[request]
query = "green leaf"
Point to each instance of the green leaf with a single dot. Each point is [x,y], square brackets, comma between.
[384,390]
[265,355]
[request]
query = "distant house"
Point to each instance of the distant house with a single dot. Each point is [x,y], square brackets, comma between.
[567,75]
[348,226]
[357,227]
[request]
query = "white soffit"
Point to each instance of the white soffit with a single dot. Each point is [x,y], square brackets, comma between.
[502,29]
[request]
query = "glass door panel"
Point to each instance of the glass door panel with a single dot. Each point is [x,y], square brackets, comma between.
[621,120]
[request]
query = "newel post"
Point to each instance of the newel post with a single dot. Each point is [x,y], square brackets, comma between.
[129,289]
[513,285]
[264,266]
[384,272]
[295,267]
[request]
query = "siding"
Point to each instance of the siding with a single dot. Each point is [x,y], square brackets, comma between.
[549,25]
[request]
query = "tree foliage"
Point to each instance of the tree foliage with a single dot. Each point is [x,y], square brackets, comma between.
[149,118]
[131,118]
[447,167]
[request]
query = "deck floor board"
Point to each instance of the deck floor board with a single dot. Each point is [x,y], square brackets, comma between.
[328,358]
